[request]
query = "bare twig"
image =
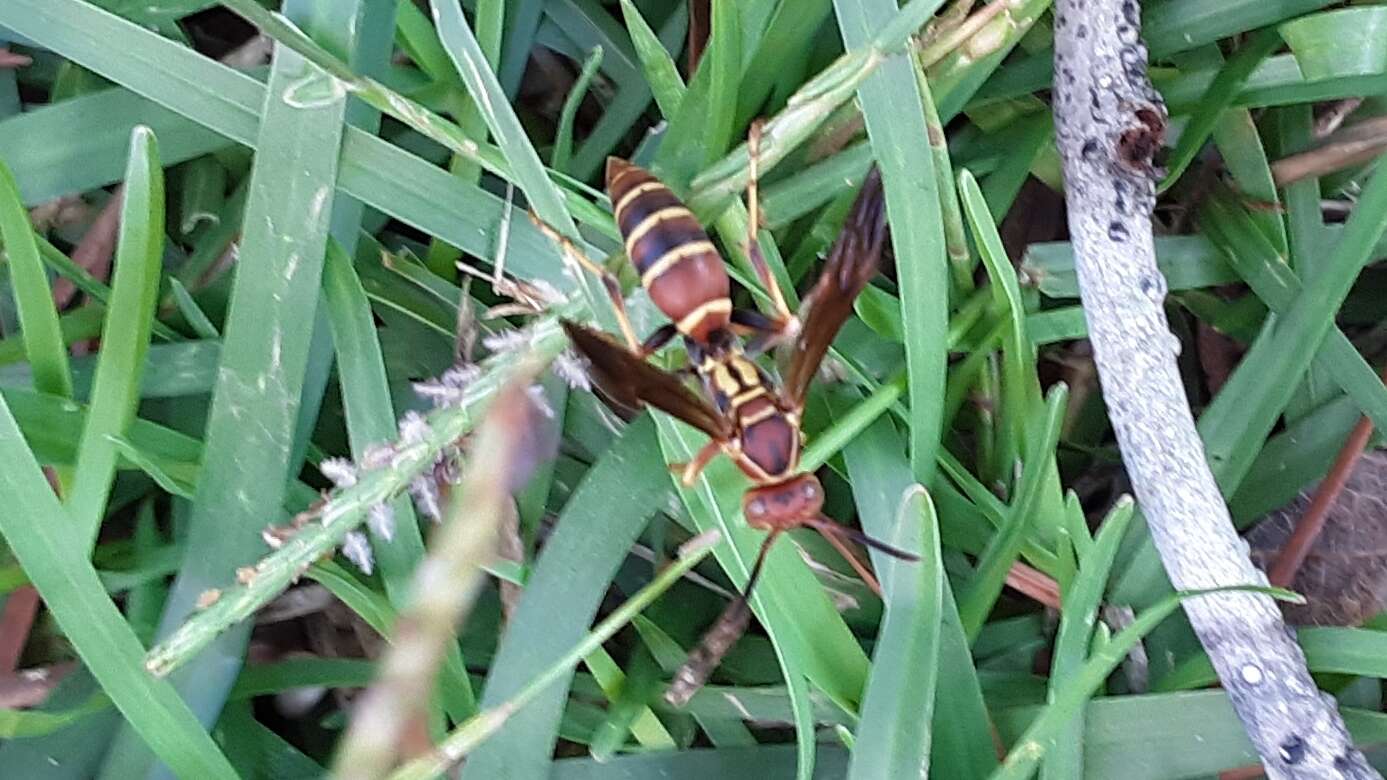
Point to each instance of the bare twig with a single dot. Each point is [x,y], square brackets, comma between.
[15,621]
[30,687]
[1035,584]
[1108,123]
[1335,115]
[9,59]
[1350,146]
[95,250]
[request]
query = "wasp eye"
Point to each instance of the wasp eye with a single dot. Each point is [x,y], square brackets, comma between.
[757,507]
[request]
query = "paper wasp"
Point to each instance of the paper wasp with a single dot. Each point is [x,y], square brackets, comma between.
[747,415]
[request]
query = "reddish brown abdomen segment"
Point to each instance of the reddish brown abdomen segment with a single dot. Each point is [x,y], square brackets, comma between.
[772,444]
[679,266]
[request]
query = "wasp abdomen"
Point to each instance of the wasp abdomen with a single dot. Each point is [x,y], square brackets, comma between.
[679,266]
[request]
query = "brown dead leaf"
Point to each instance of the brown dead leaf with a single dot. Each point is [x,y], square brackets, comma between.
[1344,577]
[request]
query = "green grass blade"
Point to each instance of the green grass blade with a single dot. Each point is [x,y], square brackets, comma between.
[895,116]
[38,318]
[563,136]
[1004,548]
[500,117]
[724,58]
[1225,87]
[893,738]
[562,595]
[115,395]
[1074,694]
[196,318]
[660,71]
[36,529]
[253,417]
[1077,619]
[961,736]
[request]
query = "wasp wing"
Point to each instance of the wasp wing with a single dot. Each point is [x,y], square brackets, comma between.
[852,262]
[631,381]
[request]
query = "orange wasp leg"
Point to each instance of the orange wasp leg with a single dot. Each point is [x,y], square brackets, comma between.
[785,323]
[688,472]
[609,281]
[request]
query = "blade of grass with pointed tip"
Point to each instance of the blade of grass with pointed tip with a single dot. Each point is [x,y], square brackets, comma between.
[1077,619]
[196,318]
[500,118]
[36,529]
[660,71]
[961,737]
[563,137]
[1021,384]
[251,424]
[893,738]
[558,603]
[1006,545]
[115,395]
[38,318]
[895,117]
[1225,87]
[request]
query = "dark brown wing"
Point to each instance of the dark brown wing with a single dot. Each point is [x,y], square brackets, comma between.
[852,262]
[631,381]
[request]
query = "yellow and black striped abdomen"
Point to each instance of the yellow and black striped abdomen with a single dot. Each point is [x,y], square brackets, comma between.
[679,266]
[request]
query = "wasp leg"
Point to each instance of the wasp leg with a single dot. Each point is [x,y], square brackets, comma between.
[609,281]
[784,322]
[688,472]
[764,330]
[658,339]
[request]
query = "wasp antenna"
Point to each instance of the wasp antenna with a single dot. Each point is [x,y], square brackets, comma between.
[823,523]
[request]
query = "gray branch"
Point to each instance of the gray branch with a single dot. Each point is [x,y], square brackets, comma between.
[1108,122]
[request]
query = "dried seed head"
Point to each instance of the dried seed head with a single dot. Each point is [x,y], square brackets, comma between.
[357,550]
[380,518]
[413,428]
[276,535]
[376,456]
[448,388]
[572,368]
[507,341]
[340,471]
[447,470]
[545,292]
[424,489]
